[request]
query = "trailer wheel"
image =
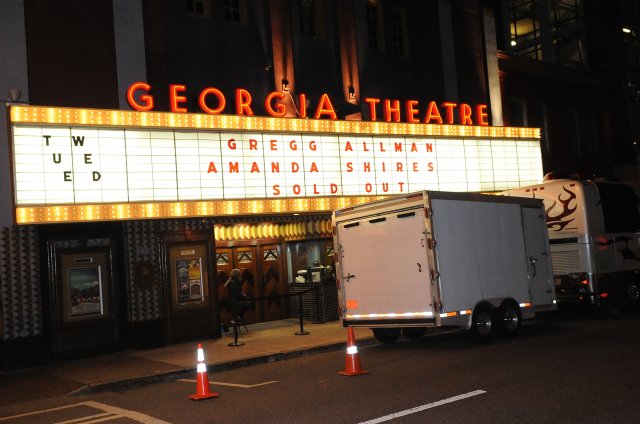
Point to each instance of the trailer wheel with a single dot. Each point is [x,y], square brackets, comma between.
[386,335]
[509,318]
[414,332]
[633,295]
[482,321]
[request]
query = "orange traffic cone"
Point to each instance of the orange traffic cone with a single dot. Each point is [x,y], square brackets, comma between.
[202,384]
[352,364]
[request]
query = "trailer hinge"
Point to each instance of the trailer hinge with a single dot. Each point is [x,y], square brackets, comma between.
[433,275]
[431,243]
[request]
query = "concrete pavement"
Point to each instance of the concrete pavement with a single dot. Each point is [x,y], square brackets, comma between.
[264,342]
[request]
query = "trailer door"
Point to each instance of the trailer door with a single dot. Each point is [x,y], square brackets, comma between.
[542,291]
[384,267]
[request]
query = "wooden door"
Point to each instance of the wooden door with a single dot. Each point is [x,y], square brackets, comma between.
[245,261]
[243,258]
[224,265]
[273,282]
[84,315]
[190,312]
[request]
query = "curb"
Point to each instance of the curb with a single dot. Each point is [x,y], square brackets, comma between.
[121,385]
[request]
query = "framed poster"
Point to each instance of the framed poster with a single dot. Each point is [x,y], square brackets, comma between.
[189,280]
[86,286]
[188,271]
[84,291]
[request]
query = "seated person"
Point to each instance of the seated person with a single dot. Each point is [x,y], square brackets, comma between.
[239,302]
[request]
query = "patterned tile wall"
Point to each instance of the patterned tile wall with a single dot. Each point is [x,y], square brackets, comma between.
[146,301]
[20,287]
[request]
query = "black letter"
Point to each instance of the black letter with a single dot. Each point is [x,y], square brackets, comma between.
[96,176]
[59,159]
[67,175]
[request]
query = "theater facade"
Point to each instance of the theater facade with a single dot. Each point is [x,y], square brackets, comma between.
[127,223]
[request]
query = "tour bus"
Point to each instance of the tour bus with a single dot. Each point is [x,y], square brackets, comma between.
[594,232]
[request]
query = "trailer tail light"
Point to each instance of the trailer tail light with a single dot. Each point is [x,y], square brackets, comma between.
[604,295]
[584,282]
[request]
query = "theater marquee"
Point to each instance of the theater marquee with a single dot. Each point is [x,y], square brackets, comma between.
[83,164]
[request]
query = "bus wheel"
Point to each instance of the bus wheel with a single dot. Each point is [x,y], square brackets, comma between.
[509,319]
[386,335]
[633,294]
[482,321]
[414,332]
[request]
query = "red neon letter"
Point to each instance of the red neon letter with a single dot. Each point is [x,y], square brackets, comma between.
[222,102]
[325,108]
[449,107]
[432,113]
[411,111]
[280,110]
[243,102]
[302,105]
[465,114]
[390,110]
[174,98]
[481,115]
[372,107]
[146,98]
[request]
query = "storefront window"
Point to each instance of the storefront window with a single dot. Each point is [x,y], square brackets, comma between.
[310,261]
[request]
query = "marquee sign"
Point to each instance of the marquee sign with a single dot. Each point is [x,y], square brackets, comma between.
[80,164]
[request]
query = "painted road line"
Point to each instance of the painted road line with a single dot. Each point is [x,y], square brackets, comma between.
[242,386]
[105,416]
[114,411]
[424,407]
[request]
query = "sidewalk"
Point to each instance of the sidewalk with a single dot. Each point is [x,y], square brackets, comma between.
[265,342]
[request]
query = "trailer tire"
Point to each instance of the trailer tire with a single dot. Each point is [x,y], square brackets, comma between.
[414,332]
[633,295]
[482,320]
[509,319]
[386,335]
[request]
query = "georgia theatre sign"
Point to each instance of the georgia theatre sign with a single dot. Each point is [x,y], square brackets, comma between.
[87,164]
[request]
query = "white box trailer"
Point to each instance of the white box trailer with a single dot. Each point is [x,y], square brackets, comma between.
[431,259]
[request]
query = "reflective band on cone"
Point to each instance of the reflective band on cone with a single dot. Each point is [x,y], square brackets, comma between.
[352,362]
[202,384]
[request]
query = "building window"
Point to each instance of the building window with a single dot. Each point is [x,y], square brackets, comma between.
[568,50]
[518,115]
[399,32]
[374,25]
[197,7]
[549,30]
[523,23]
[312,19]
[564,13]
[235,11]
[537,118]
